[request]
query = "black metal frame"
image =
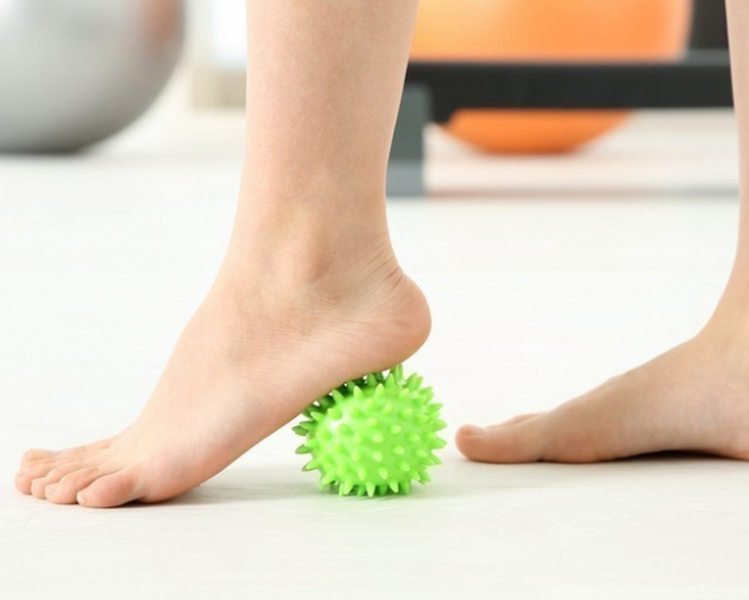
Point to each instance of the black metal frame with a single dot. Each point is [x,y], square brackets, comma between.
[435,90]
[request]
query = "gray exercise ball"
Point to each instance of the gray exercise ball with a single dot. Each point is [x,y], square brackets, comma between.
[74,72]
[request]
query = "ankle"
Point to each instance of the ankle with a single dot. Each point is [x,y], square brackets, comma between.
[310,235]
[308,268]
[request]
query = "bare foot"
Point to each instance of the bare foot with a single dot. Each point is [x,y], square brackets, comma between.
[272,336]
[695,397]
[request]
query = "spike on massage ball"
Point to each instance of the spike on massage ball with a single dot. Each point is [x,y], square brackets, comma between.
[373,435]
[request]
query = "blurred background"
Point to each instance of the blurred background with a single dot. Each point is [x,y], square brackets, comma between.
[77,72]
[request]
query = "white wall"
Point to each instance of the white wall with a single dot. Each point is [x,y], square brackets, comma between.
[216,30]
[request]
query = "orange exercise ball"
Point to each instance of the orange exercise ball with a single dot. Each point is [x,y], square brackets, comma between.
[546,30]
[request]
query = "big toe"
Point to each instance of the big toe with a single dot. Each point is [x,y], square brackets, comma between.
[520,441]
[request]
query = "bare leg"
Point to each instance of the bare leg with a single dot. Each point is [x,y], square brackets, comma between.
[310,293]
[695,397]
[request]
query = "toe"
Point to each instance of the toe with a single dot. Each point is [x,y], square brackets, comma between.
[85,450]
[514,420]
[23,483]
[27,475]
[520,442]
[66,490]
[38,463]
[33,456]
[110,490]
[39,484]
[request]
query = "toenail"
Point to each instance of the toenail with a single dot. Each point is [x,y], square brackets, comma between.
[50,489]
[472,430]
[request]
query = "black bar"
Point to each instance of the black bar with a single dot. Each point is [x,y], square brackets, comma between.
[709,29]
[701,80]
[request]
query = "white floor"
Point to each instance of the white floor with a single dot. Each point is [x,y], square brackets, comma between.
[545,277]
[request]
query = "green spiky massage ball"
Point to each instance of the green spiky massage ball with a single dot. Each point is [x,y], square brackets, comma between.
[373,435]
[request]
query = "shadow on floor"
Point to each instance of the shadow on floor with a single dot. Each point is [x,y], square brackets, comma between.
[455,479]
